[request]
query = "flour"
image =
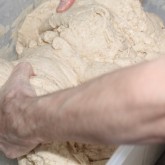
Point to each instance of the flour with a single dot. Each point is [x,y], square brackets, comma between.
[92,38]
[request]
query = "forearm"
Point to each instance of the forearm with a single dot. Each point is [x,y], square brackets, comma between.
[109,109]
[96,111]
[91,110]
[83,113]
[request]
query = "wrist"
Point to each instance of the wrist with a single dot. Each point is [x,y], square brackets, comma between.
[49,119]
[32,118]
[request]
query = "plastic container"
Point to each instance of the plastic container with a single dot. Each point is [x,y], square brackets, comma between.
[124,155]
[136,155]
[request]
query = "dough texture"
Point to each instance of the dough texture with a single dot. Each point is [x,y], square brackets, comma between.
[92,38]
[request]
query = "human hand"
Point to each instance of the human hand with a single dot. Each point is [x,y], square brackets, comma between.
[64,5]
[17,131]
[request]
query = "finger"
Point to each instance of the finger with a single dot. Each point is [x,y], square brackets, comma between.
[10,151]
[64,5]
[2,148]
[23,71]
[13,151]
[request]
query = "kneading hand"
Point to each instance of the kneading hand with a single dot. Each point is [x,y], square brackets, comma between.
[17,135]
[64,5]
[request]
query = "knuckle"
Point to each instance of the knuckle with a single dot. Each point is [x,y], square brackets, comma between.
[7,154]
[7,101]
[8,97]
[10,155]
[12,94]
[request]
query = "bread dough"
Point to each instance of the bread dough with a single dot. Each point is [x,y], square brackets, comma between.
[92,38]
[104,34]
[105,31]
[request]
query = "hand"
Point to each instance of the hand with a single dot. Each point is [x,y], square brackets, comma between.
[17,135]
[64,5]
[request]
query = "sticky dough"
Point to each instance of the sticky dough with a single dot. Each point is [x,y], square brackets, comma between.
[92,38]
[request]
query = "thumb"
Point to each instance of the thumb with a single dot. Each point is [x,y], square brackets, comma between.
[19,80]
[22,71]
[64,5]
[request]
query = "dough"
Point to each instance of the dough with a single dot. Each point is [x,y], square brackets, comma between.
[105,31]
[92,38]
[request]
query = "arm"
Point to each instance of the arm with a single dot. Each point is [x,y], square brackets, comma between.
[126,106]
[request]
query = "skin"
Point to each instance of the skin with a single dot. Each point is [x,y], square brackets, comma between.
[126,106]
[64,5]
